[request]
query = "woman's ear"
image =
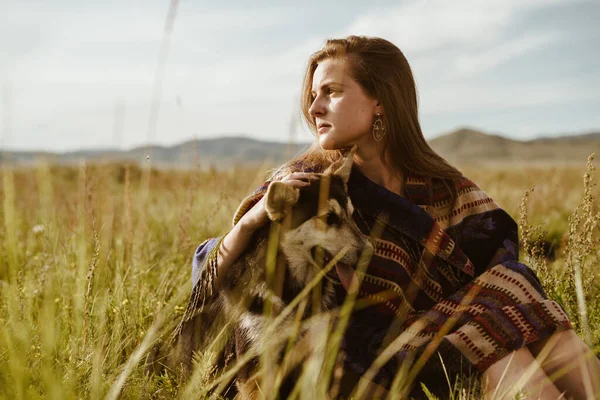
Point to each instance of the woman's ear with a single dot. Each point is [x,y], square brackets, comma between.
[379,108]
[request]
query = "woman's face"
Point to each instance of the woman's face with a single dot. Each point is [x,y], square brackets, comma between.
[343,112]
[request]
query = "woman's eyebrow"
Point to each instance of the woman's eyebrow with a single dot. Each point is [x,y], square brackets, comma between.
[327,84]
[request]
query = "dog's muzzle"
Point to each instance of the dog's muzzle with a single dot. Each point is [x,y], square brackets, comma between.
[320,256]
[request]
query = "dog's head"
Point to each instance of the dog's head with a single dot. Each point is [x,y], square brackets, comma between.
[320,221]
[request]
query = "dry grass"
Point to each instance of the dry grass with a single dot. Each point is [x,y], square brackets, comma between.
[95,265]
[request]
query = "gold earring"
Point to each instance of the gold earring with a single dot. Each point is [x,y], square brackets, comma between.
[378,129]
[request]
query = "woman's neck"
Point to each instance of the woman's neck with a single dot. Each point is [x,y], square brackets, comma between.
[369,163]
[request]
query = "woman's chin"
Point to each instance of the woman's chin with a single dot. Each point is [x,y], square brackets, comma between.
[328,142]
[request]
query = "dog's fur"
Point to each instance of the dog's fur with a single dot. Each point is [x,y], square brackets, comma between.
[309,237]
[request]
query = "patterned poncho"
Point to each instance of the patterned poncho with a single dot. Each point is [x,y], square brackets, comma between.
[431,256]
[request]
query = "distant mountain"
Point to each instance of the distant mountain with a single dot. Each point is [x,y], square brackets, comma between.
[216,152]
[468,146]
[464,146]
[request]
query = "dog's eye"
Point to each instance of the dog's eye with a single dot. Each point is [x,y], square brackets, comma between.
[333,219]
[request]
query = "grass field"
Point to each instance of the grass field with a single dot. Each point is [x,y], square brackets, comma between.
[95,264]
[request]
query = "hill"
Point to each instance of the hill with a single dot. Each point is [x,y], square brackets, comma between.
[467,146]
[218,152]
[463,146]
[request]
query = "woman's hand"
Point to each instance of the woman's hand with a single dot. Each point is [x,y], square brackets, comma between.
[257,215]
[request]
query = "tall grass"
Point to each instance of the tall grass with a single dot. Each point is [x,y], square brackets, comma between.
[95,266]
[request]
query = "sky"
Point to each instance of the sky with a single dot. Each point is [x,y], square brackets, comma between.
[78,74]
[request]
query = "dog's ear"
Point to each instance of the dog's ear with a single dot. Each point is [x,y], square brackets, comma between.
[280,198]
[342,167]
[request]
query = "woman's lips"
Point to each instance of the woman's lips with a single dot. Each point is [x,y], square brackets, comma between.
[323,128]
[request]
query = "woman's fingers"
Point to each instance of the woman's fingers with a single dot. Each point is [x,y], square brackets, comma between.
[295,182]
[300,176]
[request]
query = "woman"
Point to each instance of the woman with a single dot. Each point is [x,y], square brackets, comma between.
[447,259]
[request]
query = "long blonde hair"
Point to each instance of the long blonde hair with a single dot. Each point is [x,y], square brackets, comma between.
[384,74]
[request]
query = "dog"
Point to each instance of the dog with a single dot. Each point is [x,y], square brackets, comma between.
[311,225]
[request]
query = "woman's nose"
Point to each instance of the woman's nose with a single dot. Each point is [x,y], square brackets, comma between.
[316,108]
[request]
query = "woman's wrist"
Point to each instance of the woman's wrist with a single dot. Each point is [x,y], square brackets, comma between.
[246,227]
[253,220]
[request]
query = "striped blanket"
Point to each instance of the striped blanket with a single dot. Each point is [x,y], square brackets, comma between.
[444,278]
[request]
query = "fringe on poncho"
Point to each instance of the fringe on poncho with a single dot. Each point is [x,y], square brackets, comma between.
[444,276]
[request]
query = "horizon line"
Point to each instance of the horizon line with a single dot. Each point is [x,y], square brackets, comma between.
[225,136]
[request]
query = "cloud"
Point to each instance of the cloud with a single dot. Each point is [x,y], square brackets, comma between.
[80,59]
[91,38]
[479,61]
[239,70]
[485,96]
[420,26]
